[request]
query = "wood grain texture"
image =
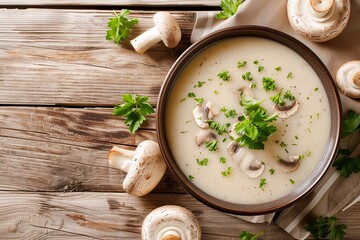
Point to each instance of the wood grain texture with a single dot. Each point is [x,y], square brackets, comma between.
[127,3]
[56,149]
[61,57]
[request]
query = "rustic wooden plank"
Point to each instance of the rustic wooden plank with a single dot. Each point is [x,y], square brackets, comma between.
[128,3]
[61,57]
[106,216]
[56,149]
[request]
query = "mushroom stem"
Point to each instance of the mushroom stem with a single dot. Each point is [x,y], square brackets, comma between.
[320,8]
[170,234]
[146,40]
[121,158]
[356,78]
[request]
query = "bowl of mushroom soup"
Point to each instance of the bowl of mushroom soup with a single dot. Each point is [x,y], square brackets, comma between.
[244,120]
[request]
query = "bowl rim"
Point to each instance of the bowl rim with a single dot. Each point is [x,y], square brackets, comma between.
[335,113]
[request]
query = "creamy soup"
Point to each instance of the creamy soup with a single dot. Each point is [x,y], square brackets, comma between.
[301,137]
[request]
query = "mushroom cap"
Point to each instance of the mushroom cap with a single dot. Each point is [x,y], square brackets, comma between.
[348,79]
[287,110]
[168,28]
[247,163]
[318,26]
[203,135]
[146,171]
[170,219]
[202,113]
[291,164]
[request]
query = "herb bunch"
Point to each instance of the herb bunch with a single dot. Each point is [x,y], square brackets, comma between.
[229,8]
[119,26]
[323,227]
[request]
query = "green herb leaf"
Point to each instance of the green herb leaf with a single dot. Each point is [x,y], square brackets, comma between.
[220,129]
[212,145]
[347,165]
[202,162]
[262,183]
[278,68]
[260,68]
[241,64]
[278,99]
[289,96]
[229,8]
[290,75]
[224,75]
[230,113]
[255,127]
[199,100]
[134,109]
[268,84]
[191,177]
[321,227]
[119,26]
[244,235]
[350,124]
[223,160]
[247,76]
[199,84]
[227,172]
[292,181]
[252,85]
[271,171]
[256,61]
[191,95]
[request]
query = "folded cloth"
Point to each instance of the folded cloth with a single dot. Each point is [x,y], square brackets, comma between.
[335,192]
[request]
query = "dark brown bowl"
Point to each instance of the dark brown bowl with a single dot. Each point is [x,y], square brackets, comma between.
[335,112]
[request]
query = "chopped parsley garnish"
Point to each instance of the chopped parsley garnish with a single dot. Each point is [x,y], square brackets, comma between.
[316,89]
[282,144]
[182,99]
[247,76]
[292,181]
[244,235]
[212,145]
[262,183]
[256,61]
[191,177]
[301,156]
[268,84]
[199,84]
[278,68]
[119,26]
[191,95]
[220,129]
[252,85]
[227,172]
[216,92]
[260,68]
[228,8]
[134,109]
[289,96]
[241,64]
[290,75]
[223,109]
[308,153]
[202,162]
[271,171]
[230,113]
[255,127]
[223,160]
[199,100]
[278,99]
[224,75]
[323,227]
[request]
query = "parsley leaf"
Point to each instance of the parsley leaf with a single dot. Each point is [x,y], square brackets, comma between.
[260,68]
[290,75]
[229,8]
[347,165]
[350,124]
[227,172]
[191,177]
[278,68]
[241,64]
[247,76]
[212,145]
[289,96]
[321,227]
[254,128]
[244,235]
[224,75]
[202,162]
[278,99]
[262,183]
[230,113]
[134,109]
[268,84]
[223,160]
[119,26]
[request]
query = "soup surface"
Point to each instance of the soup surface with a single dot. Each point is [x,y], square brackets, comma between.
[216,75]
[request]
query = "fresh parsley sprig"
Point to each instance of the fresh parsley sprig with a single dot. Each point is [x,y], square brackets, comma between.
[323,227]
[119,26]
[229,8]
[254,127]
[134,109]
[344,163]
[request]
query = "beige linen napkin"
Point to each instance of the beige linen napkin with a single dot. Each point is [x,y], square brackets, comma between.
[335,192]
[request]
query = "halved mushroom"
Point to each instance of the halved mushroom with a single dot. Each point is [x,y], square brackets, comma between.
[170,222]
[285,111]
[145,167]
[291,164]
[202,113]
[245,160]
[348,79]
[204,135]
[232,132]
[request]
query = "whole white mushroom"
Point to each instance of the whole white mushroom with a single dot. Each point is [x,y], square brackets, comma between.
[166,29]
[170,222]
[348,79]
[145,167]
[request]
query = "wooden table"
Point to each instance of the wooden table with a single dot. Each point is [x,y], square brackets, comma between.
[59,81]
